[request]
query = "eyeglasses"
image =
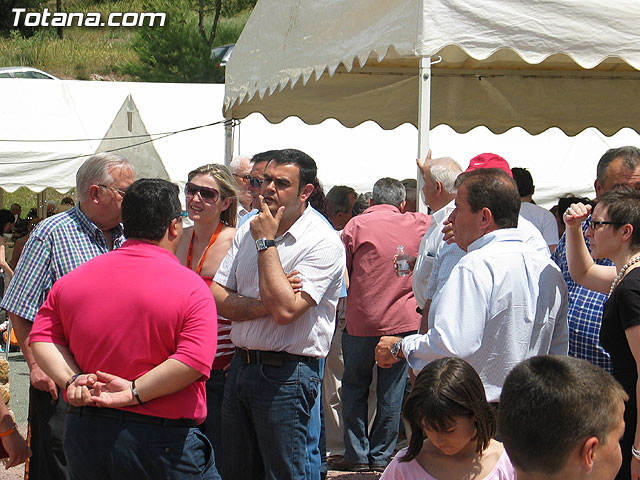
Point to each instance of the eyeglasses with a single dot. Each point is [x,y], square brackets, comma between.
[181,215]
[117,190]
[595,224]
[255,182]
[244,178]
[208,194]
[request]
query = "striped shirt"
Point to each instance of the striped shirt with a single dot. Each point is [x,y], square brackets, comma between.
[309,246]
[225,348]
[56,246]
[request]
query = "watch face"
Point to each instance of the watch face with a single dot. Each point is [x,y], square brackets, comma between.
[263,244]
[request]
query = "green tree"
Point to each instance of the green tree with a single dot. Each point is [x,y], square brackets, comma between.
[7,16]
[175,52]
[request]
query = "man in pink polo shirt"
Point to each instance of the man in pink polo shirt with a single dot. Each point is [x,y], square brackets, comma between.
[130,336]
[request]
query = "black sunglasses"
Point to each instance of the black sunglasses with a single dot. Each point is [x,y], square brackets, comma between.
[208,194]
[255,182]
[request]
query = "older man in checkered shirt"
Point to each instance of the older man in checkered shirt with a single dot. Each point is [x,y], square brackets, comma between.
[56,246]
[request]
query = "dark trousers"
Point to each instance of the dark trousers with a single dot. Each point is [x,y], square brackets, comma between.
[101,448]
[46,426]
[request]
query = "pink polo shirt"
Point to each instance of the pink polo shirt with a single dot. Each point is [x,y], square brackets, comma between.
[379,302]
[129,310]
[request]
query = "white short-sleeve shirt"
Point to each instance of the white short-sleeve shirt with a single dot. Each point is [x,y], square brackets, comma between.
[309,246]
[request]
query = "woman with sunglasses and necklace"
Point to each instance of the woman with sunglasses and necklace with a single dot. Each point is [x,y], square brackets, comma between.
[212,205]
[614,232]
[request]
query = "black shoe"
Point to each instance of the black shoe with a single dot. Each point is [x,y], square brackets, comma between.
[346,466]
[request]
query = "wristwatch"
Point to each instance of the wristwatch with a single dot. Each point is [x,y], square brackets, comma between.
[395,349]
[263,244]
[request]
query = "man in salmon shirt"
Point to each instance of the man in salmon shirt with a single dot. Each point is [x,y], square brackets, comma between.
[133,360]
[379,302]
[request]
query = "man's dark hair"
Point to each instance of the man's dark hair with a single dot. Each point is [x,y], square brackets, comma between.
[388,191]
[630,158]
[523,178]
[550,405]
[263,156]
[566,201]
[623,206]
[148,208]
[361,204]
[306,164]
[339,199]
[494,189]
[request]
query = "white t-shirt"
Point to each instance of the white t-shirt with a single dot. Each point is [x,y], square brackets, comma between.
[543,220]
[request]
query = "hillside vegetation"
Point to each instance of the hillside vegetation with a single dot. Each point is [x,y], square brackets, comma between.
[121,53]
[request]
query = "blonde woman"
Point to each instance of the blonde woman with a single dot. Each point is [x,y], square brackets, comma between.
[212,205]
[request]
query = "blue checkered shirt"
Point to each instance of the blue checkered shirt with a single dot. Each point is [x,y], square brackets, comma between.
[585,312]
[56,246]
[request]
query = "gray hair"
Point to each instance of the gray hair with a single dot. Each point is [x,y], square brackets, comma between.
[388,191]
[95,171]
[444,170]
[236,162]
[630,157]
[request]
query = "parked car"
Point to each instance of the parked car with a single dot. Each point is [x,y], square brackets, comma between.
[25,72]
[222,54]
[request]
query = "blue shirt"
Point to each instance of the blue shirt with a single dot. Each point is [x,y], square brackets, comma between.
[585,311]
[56,246]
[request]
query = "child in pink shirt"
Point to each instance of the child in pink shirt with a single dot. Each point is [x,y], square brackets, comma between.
[452,428]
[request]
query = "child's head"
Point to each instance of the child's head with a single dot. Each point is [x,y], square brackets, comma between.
[445,391]
[555,412]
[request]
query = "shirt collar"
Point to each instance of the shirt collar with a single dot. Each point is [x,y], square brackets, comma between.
[300,225]
[382,206]
[92,230]
[502,234]
[444,212]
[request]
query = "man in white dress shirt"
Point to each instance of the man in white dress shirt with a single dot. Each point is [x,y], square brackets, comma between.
[503,302]
[439,193]
[280,334]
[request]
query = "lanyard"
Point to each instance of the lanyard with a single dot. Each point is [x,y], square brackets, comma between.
[212,240]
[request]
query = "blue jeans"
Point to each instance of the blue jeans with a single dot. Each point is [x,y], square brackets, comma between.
[265,416]
[316,454]
[107,449]
[375,447]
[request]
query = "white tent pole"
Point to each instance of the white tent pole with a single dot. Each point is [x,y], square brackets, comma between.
[424,119]
[228,142]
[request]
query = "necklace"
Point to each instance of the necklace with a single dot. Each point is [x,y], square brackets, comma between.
[624,268]
[212,240]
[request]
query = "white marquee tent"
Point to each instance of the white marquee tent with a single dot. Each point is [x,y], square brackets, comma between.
[535,64]
[48,128]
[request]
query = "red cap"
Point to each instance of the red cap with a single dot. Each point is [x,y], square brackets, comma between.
[489,160]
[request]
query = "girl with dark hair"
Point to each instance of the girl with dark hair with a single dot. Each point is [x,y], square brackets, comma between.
[452,428]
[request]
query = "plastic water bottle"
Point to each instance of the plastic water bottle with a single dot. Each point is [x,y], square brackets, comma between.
[402,261]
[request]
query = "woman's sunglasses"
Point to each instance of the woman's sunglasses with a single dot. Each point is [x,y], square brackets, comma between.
[207,194]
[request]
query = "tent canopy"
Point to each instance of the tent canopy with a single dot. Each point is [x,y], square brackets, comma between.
[503,63]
